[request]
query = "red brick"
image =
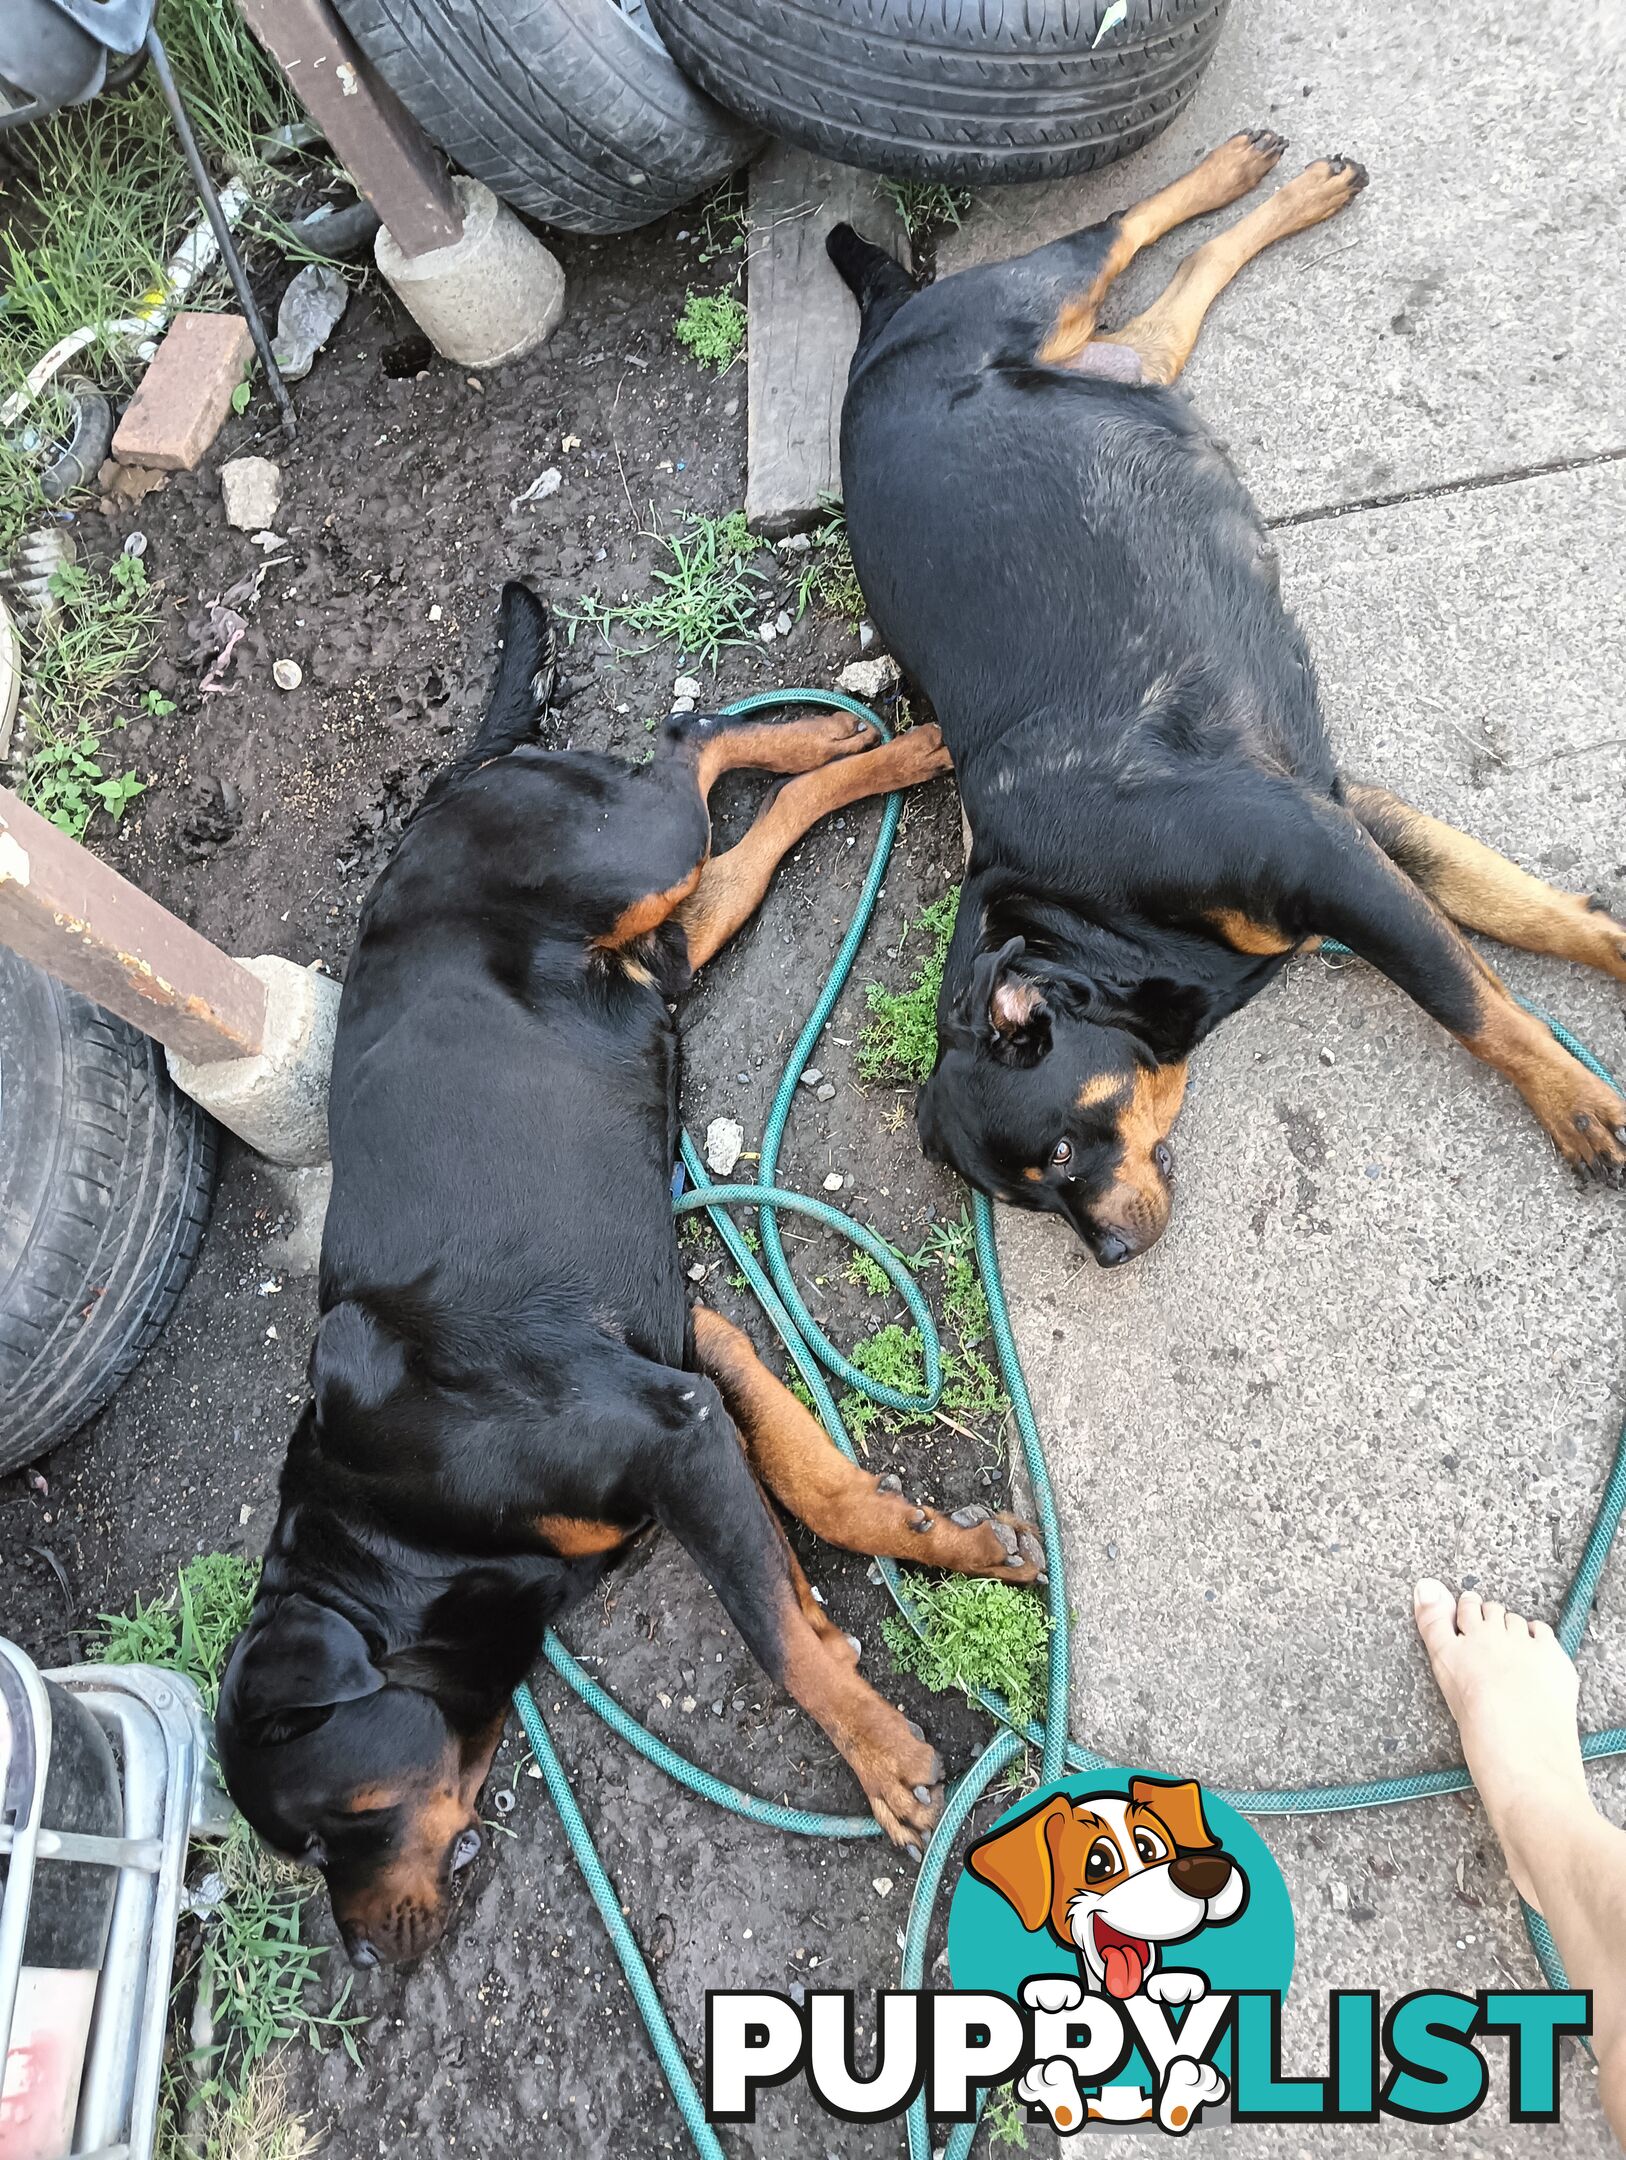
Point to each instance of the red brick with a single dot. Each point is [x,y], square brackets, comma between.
[184,396]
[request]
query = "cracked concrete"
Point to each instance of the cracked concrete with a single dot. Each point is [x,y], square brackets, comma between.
[1384,1333]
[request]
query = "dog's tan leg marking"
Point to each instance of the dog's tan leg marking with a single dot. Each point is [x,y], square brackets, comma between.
[802,1467]
[782,746]
[1244,935]
[1581,1113]
[647,914]
[1484,891]
[573,1536]
[732,884]
[1165,333]
[1220,178]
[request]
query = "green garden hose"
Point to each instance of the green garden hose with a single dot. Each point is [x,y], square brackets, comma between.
[815,1357]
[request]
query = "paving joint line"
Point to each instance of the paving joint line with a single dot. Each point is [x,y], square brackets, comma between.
[1325,512]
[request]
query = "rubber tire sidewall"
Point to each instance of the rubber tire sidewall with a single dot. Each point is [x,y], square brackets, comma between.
[968,92]
[569,110]
[106,1173]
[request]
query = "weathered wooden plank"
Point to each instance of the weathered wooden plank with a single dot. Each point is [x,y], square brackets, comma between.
[71,915]
[804,326]
[368,129]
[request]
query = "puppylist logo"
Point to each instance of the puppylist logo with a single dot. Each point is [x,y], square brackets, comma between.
[1119,1946]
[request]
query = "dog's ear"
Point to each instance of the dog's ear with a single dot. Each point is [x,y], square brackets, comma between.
[1020,1863]
[285,1677]
[1179,1807]
[1012,1006]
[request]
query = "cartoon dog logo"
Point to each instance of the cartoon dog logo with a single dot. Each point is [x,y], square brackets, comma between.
[1115,1879]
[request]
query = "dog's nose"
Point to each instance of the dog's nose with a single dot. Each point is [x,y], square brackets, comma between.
[1201,1874]
[358,1949]
[1163,1156]
[1112,1250]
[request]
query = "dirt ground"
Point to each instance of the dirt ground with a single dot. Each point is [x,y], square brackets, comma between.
[268,814]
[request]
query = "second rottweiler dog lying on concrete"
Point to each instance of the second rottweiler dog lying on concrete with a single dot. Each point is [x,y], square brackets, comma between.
[1061,556]
[508,1381]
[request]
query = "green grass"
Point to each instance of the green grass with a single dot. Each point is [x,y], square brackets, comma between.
[99,634]
[977,1634]
[926,206]
[725,227]
[708,593]
[900,1040]
[249,1969]
[830,577]
[711,329]
[1006,2118]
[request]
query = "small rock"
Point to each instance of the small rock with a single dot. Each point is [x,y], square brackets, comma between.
[811,1077]
[687,686]
[825,1093]
[869,678]
[698,1272]
[767,633]
[687,1704]
[287,674]
[682,704]
[882,1885]
[725,1138]
[267,540]
[251,489]
[744,1078]
[1327,1057]
[866,636]
[1339,1893]
[796,544]
[781,622]
[833,1182]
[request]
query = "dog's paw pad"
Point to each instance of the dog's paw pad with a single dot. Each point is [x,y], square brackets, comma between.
[1188,2087]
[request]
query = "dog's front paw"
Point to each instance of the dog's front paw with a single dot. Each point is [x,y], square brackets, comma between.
[1188,2087]
[1052,1992]
[1053,2086]
[1176,1987]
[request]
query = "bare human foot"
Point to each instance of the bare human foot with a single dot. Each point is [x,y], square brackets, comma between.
[1513,1692]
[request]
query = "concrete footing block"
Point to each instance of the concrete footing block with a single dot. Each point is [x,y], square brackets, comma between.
[277,1100]
[491,295]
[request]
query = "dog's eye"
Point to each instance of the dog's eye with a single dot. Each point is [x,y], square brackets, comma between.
[1102,1861]
[1150,1847]
[1061,1153]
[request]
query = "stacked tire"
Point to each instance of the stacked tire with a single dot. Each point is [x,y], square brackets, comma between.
[601,115]
[106,1172]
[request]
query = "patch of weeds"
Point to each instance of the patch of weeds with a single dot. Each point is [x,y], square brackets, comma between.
[868,1275]
[99,633]
[707,596]
[711,329]
[724,226]
[896,1357]
[246,1968]
[900,1041]
[926,207]
[1006,2118]
[977,1635]
[830,577]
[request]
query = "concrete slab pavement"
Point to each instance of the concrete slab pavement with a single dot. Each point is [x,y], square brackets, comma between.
[1386,1333]
[1461,318]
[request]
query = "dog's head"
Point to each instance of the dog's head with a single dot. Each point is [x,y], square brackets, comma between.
[1113,1877]
[353,1772]
[1046,1097]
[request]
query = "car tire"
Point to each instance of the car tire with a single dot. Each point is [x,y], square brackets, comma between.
[969,92]
[570,110]
[106,1173]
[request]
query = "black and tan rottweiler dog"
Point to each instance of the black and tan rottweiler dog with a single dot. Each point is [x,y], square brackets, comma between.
[1060,554]
[509,1382]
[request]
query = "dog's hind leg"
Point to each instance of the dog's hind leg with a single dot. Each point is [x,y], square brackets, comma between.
[1483,891]
[702,1489]
[1163,336]
[1223,177]
[838,1501]
[732,885]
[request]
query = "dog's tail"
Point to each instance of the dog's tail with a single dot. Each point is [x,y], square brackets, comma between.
[877,283]
[526,671]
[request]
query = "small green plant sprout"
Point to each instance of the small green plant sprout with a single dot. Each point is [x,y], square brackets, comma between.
[712,329]
[830,577]
[707,596]
[926,206]
[724,225]
[241,395]
[900,1041]
[1006,2119]
[155,705]
[977,1634]
[868,1275]
[98,634]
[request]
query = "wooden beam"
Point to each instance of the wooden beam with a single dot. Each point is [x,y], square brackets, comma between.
[803,328]
[368,129]
[71,915]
